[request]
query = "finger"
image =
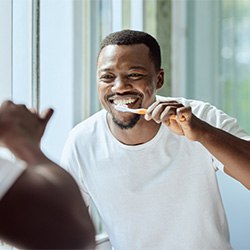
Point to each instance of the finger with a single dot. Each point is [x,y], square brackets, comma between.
[152,107]
[46,115]
[7,103]
[22,106]
[164,111]
[148,115]
[157,107]
[184,113]
[168,113]
[156,114]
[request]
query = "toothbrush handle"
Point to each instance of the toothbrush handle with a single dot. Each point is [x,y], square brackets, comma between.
[144,111]
[141,111]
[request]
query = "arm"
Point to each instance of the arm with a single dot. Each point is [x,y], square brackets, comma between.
[232,151]
[44,208]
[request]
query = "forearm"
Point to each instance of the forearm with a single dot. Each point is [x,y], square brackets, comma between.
[233,152]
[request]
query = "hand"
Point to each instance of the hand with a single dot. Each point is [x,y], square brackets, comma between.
[178,118]
[19,127]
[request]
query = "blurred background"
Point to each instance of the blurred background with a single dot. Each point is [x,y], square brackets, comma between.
[48,52]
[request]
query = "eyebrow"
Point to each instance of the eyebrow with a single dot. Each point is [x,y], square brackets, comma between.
[137,67]
[104,69]
[131,68]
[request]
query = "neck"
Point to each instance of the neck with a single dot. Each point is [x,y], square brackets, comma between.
[141,133]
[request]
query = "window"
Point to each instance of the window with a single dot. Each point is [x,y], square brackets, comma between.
[235,59]
[210,53]
[234,89]
[15,47]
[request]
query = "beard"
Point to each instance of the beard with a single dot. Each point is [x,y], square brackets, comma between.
[127,125]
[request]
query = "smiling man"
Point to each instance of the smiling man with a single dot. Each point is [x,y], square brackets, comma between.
[153,177]
[127,76]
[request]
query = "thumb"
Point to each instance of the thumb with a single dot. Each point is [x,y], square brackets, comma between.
[46,115]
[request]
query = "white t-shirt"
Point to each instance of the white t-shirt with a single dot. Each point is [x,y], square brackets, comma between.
[9,173]
[159,195]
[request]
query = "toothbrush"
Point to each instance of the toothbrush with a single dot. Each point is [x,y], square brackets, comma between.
[140,111]
[125,108]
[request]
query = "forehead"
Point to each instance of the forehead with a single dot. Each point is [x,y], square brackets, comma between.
[120,55]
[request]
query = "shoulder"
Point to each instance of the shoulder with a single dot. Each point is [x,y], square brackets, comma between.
[86,132]
[89,127]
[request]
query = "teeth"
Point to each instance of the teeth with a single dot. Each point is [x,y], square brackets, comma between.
[124,102]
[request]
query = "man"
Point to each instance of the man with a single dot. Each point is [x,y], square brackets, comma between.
[40,204]
[153,177]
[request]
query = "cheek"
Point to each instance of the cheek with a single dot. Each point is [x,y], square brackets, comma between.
[102,89]
[149,86]
[149,90]
[102,92]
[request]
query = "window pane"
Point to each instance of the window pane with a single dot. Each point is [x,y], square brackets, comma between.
[235,58]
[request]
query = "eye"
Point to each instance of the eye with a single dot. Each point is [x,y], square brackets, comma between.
[135,76]
[107,78]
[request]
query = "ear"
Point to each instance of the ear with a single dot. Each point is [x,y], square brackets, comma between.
[160,79]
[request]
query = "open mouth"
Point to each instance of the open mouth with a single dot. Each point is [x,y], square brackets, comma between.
[131,102]
[124,101]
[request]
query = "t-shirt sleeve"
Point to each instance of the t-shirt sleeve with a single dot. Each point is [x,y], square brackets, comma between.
[71,163]
[214,116]
[9,173]
[221,120]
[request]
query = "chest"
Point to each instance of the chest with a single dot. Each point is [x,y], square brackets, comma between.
[125,175]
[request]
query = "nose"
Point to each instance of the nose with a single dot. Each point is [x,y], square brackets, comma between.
[120,85]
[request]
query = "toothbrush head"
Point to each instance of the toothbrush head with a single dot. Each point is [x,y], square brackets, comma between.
[121,108]
[124,108]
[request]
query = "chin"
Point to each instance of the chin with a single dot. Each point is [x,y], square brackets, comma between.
[126,124]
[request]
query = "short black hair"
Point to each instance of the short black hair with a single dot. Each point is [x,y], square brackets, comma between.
[131,37]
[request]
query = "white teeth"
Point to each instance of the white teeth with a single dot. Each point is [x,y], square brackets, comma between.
[124,102]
